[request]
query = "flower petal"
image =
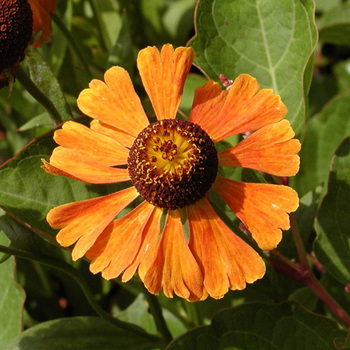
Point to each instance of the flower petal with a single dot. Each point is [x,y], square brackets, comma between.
[241,109]
[163,76]
[85,220]
[70,163]
[174,268]
[117,246]
[263,208]
[120,136]
[226,260]
[270,149]
[42,19]
[146,253]
[114,102]
[91,144]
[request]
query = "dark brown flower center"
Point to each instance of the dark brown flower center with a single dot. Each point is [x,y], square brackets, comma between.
[16,26]
[172,163]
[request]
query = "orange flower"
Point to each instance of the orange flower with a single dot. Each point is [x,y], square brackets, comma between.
[172,164]
[42,19]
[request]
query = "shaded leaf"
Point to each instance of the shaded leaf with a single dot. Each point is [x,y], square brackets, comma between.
[332,246]
[265,327]
[322,136]
[77,333]
[334,26]
[271,40]
[44,79]
[122,53]
[11,300]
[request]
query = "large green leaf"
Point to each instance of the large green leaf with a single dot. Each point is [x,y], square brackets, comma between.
[322,136]
[11,300]
[269,39]
[44,79]
[77,333]
[28,193]
[333,225]
[264,327]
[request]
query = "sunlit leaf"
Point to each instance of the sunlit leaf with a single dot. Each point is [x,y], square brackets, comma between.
[269,39]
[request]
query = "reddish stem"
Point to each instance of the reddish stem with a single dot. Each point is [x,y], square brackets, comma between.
[304,274]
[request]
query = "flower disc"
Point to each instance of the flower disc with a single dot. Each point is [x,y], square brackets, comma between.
[16,26]
[172,163]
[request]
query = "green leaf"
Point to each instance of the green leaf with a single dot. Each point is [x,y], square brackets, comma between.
[44,79]
[334,26]
[77,333]
[323,134]
[28,192]
[265,327]
[178,20]
[192,82]
[138,314]
[270,39]
[55,54]
[41,120]
[333,225]
[123,52]
[11,300]
[305,216]
[108,20]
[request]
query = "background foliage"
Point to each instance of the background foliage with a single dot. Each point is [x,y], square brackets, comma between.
[301,49]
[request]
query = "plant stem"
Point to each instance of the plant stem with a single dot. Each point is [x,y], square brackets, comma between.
[298,242]
[38,95]
[73,273]
[303,273]
[72,42]
[156,311]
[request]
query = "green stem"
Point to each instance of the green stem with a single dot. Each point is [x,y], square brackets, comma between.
[156,311]
[298,242]
[38,95]
[72,42]
[73,273]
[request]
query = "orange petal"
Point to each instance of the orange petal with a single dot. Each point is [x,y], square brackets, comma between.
[114,102]
[42,19]
[69,162]
[91,144]
[263,208]
[241,109]
[146,253]
[174,268]
[117,246]
[85,220]
[121,136]
[270,149]
[226,260]
[163,76]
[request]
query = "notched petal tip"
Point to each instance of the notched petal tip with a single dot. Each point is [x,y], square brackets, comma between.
[163,75]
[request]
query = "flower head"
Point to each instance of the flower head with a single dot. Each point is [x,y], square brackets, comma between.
[20,20]
[16,23]
[172,164]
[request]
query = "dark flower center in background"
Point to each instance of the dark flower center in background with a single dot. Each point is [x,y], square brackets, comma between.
[16,27]
[172,163]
